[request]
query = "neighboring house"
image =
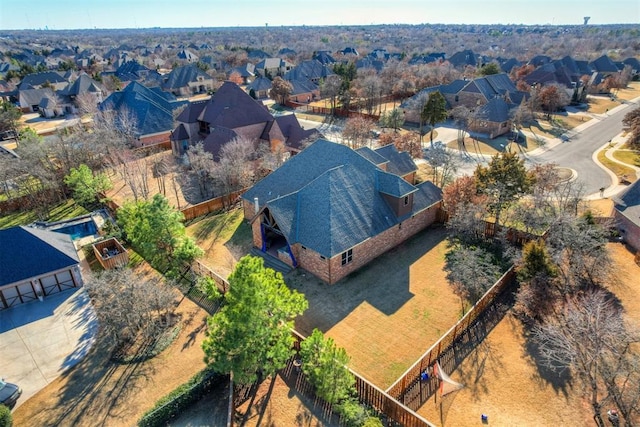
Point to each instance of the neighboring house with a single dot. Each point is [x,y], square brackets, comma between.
[84,85]
[228,114]
[272,67]
[243,74]
[370,63]
[303,90]
[349,51]
[257,54]
[324,57]
[187,55]
[51,79]
[626,213]
[150,110]
[30,99]
[492,119]
[331,210]
[35,263]
[465,58]
[634,64]
[312,70]
[187,80]
[259,88]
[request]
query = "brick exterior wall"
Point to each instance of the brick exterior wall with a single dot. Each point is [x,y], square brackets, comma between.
[631,234]
[154,139]
[332,270]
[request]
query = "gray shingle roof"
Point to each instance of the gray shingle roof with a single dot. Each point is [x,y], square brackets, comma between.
[27,252]
[628,203]
[38,79]
[180,77]
[151,112]
[372,156]
[311,69]
[496,110]
[329,198]
[231,107]
[604,64]
[83,84]
[293,132]
[400,163]
[261,83]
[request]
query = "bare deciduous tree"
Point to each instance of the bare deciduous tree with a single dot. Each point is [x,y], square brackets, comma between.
[130,305]
[589,337]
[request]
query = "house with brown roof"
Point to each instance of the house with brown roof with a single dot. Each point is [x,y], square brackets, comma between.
[331,210]
[231,113]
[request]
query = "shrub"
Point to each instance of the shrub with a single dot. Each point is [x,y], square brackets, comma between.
[6,419]
[180,398]
[352,413]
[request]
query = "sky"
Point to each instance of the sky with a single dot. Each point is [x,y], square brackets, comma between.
[83,14]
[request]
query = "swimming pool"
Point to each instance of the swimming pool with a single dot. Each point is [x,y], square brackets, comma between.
[78,229]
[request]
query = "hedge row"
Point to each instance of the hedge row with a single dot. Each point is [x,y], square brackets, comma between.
[180,398]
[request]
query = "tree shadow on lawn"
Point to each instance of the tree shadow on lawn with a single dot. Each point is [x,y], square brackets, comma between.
[92,391]
[384,283]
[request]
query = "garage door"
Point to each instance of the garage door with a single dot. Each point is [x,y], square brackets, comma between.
[57,282]
[15,295]
[25,292]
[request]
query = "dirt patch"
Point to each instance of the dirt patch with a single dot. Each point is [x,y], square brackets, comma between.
[179,188]
[99,392]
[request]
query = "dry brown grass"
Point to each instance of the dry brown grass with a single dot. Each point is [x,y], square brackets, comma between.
[387,314]
[630,92]
[98,392]
[601,104]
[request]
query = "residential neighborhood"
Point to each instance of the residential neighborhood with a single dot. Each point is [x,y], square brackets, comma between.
[362,225]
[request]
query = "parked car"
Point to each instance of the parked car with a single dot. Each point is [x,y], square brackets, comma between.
[9,393]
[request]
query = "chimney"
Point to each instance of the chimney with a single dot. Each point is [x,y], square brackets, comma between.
[256,205]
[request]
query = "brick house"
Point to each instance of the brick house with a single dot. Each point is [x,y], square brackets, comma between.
[150,110]
[626,213]
[231,113]
[331,210]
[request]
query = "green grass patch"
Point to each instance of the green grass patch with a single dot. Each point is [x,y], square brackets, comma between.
[227,226]
[134,259]
[65,210]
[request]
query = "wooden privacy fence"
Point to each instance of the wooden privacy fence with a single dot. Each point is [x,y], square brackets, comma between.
[410,389]
[202,270]
[368,394]
[211,205]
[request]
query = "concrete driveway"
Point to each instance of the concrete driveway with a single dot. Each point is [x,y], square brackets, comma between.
[40,340]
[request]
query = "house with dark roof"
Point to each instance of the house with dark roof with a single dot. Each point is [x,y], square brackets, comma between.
[272,67]
[331,210]
[34,264]
[259,88]
[149,109]
[51,79]
[187,80]
[30,99]
[324,57]
[187,55]
[228,114]
[312,70]
[626,213]
[83,86]
[492,118]
[303,90]
[243,74]
[465,58]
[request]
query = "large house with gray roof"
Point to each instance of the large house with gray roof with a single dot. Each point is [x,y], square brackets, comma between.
[331,210]
[150,110]
[35,263]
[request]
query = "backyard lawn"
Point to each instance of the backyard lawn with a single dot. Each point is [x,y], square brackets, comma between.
[387,314]
[502,379]
[64,210]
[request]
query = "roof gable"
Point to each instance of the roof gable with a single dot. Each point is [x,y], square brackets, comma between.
[232,107]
